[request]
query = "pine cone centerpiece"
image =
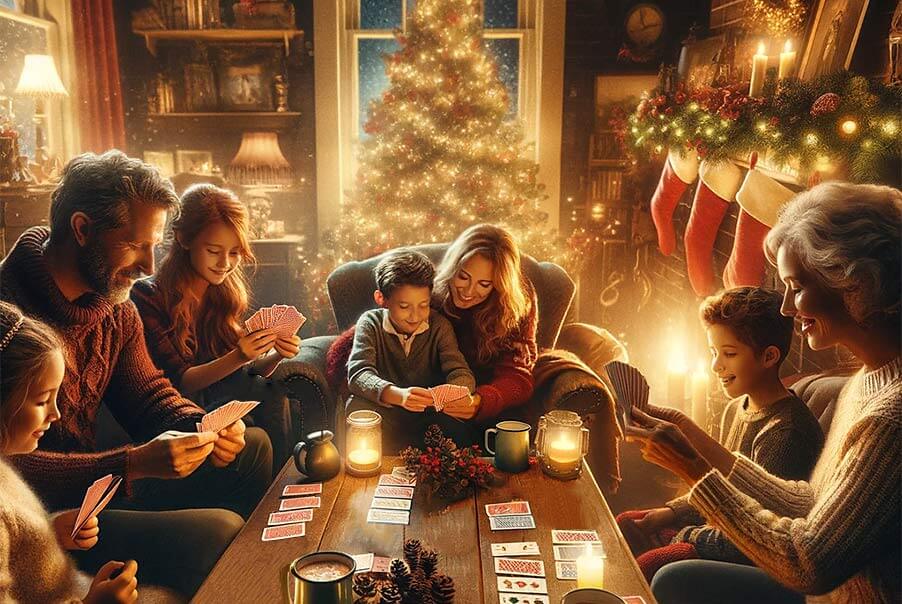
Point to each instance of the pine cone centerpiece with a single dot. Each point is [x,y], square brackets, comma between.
[414,580]
[448,471]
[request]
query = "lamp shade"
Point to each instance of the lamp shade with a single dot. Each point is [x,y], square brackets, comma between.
[39,78]
[259,161]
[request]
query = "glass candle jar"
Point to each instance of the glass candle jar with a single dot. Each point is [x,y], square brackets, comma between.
[561,443]
[363,446]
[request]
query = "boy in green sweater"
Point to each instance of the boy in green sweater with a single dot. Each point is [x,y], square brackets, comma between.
[748,339]
[403,348]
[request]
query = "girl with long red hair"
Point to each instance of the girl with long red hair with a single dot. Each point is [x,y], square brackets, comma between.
[194,309]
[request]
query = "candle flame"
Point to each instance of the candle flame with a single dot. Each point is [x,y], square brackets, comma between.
[787,47]
[677,361]
[588,549]
[760,48]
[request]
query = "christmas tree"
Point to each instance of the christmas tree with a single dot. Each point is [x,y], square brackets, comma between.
[441,151]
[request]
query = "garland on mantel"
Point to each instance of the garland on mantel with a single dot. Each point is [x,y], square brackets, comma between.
[839,118]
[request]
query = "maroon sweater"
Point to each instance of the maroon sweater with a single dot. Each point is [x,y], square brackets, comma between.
[106,361]
[506,380]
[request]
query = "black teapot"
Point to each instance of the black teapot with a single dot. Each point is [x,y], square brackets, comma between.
[317,457]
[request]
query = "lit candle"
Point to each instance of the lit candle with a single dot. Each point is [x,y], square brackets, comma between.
[699,395]
[563,454]
[787,61]
[590,570]
[759,70]
[676,380]
[363,458]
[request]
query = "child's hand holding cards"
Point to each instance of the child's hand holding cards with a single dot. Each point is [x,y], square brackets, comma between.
[286,319]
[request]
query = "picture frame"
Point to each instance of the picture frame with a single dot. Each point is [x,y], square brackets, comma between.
[200,88]
[833,35]
[162,161]
[698,62]
[195,162]
[246,82]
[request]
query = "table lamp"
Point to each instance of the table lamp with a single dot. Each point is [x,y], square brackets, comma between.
[40,81]
[259,161]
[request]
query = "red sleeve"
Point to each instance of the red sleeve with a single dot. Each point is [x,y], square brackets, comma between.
[161,345]
[512,382]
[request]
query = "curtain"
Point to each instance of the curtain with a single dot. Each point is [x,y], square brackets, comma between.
[99,102]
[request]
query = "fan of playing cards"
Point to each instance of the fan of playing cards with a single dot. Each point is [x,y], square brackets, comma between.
[444,394]
[286,319]
[630,386]
[225,416]
[96,498]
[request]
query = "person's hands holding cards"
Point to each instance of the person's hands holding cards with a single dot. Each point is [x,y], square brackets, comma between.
[228,444]
[172,454]
[257,343]
[85,538]
[115,583]
[415,399]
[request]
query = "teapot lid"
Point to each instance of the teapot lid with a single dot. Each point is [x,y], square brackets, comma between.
[321,436]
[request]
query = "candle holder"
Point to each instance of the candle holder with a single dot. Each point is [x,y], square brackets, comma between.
[322,578]
[561,443]
[364,443]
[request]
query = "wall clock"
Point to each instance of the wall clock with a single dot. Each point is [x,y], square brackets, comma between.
[644,24]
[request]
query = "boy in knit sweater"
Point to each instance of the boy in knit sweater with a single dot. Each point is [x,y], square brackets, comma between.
[403,348]
[749,339]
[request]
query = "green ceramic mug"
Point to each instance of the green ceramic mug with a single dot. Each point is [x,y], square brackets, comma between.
[511,445]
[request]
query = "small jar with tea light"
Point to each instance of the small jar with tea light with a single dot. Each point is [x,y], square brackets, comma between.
[364,443]
[561,443]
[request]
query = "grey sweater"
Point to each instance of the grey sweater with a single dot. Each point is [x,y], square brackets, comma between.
[377,359]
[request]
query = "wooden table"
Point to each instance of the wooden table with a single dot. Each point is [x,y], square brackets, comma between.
[251,570]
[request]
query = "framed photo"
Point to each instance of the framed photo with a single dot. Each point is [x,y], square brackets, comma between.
[200,90]
[162,161]
[698,62]
[195,162]
[246,81]
[834,33]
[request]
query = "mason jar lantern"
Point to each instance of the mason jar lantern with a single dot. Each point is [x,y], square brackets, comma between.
[364,443]
[561,443]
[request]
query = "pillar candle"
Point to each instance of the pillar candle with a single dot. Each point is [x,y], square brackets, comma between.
[590,570]
[759,70]
[787,61]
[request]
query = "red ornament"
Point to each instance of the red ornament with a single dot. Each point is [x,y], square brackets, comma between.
[826,103]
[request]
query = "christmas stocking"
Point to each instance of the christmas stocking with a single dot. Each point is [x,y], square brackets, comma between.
[678,173]
[717,186]
[760,198]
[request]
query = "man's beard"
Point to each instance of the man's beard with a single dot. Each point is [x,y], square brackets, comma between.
[92,264]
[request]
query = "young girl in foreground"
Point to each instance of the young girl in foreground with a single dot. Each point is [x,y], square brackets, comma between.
[193,313]
[33,565]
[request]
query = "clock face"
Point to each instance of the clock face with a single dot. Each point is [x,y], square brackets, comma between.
[644,24]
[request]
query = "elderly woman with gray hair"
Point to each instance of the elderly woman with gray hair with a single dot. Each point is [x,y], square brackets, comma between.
[837,251]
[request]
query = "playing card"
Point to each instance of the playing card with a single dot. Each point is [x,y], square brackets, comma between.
[528,585]
[634,599]
[630,386]
[521,599]
[511,523]
[565,571]
[394,492]
[572,552]
[277,518]
[294,490]
[226,415]
[296,503]
[518,548]
[519,566]
[390,480]
[96,498]
[390,504]
[364,562]
[445,393]
[567,536]
[388,516]
[286,531]
[401,472]
[511,508]
[381,564]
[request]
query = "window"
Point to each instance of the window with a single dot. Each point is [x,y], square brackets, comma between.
[351,37]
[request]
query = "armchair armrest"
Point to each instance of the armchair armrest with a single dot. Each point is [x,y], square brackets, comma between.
[304,376]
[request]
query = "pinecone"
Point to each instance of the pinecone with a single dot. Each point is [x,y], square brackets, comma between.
[412,550]
[428,562]
[826,103]
[399,574]
[420,590]
[443,589]
[364,585]
[389,594]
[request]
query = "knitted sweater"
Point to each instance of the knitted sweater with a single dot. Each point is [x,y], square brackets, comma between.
[106,361]
[378,360]
[33,567]
[838,534]
[506,380]
[783,438]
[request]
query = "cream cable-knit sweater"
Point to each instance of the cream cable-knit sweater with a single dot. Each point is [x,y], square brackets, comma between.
[839,534]
[33,567]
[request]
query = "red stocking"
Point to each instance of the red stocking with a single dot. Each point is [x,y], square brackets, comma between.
[716,188]
[675,178]
[746,264]
[652,561]
[760,198]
